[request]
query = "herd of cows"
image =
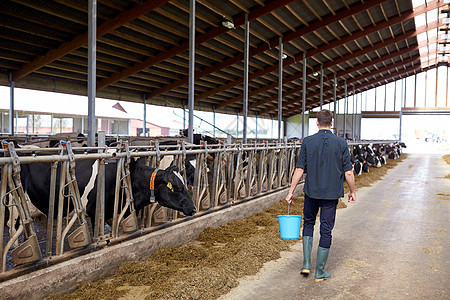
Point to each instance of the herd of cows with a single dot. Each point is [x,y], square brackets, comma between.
[167,186]
[376,155]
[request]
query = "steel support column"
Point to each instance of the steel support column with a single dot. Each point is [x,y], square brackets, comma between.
[191,70]
[237,123]
[303,95]
[11,105]
[335,100]
[256,123]
[280,86]
[353,115]
[385,96]
[345,109]
[184,115]
[321,86]
[401,108]
[92,70]
[214,121]
[144,125]
[246,56]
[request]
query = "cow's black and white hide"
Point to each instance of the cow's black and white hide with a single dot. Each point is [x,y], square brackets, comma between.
[36,182]
[391,151]
[379,152]
[357,165]
[372,160]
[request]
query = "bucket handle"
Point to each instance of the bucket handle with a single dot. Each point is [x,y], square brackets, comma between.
[289,208]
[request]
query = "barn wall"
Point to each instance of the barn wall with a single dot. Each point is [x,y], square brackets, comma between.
[63,277]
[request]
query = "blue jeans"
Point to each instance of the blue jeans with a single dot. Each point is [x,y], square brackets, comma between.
[327,218]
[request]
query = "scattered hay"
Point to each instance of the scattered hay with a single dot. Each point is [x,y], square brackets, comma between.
[354,263]
[443,196]
[446,158]
[212,265]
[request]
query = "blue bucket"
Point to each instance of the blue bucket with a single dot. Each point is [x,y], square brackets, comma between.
[289,226]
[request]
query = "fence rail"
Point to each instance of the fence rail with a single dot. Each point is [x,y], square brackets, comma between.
[224,175]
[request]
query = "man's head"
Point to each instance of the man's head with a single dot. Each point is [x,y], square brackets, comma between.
[324,118]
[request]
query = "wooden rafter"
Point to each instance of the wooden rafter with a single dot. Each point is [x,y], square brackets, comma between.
[82,40]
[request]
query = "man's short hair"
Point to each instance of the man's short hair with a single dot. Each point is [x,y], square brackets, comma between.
[325,117]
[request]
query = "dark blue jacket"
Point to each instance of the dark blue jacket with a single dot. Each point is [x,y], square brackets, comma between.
[325,158]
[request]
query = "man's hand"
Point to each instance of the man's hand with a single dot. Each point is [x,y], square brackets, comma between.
[352,197]
[290,197]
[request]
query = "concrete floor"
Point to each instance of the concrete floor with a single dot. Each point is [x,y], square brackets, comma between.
[393,243]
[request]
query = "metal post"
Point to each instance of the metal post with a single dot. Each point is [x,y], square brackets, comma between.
[237,123]
[321,86]
[353,115]
[256,131]
[214,121]
[184,115]
[280,86]
[401,109]
[92,70]
[356,114]
[303,96]
[144,125]
[11,105]
[345,109]
[246,56]
[335,100]
[191,71]
[360,117]
[385,96]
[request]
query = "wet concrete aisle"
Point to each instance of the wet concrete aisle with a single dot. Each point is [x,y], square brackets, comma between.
[393,243]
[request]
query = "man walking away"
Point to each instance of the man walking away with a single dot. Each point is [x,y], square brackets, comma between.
[325,159]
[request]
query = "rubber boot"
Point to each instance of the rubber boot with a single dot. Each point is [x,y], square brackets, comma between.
[307,246]
[322,256]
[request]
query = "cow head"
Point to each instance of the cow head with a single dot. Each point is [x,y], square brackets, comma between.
[170,190]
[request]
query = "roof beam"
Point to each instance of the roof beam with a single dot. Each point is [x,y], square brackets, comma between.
[415,65]
[362,66]
[82,40]
[291,35]
[409,34]
[384,24]
[199,39]
[369,85]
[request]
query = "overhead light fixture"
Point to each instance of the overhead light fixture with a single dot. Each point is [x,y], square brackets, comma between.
[284,56]
[316,74]
[228,24]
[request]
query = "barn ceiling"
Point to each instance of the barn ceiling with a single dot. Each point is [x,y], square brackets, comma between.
[143,48]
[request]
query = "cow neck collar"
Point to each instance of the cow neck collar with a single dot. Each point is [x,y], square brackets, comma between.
[152,185]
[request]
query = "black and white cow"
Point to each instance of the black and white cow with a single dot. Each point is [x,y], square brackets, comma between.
[360,154]
[170,190]
[357,165]
[379,151]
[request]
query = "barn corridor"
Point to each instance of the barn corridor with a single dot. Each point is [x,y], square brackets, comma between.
[393,243]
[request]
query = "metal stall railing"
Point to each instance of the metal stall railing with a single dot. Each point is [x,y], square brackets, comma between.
[224,175]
